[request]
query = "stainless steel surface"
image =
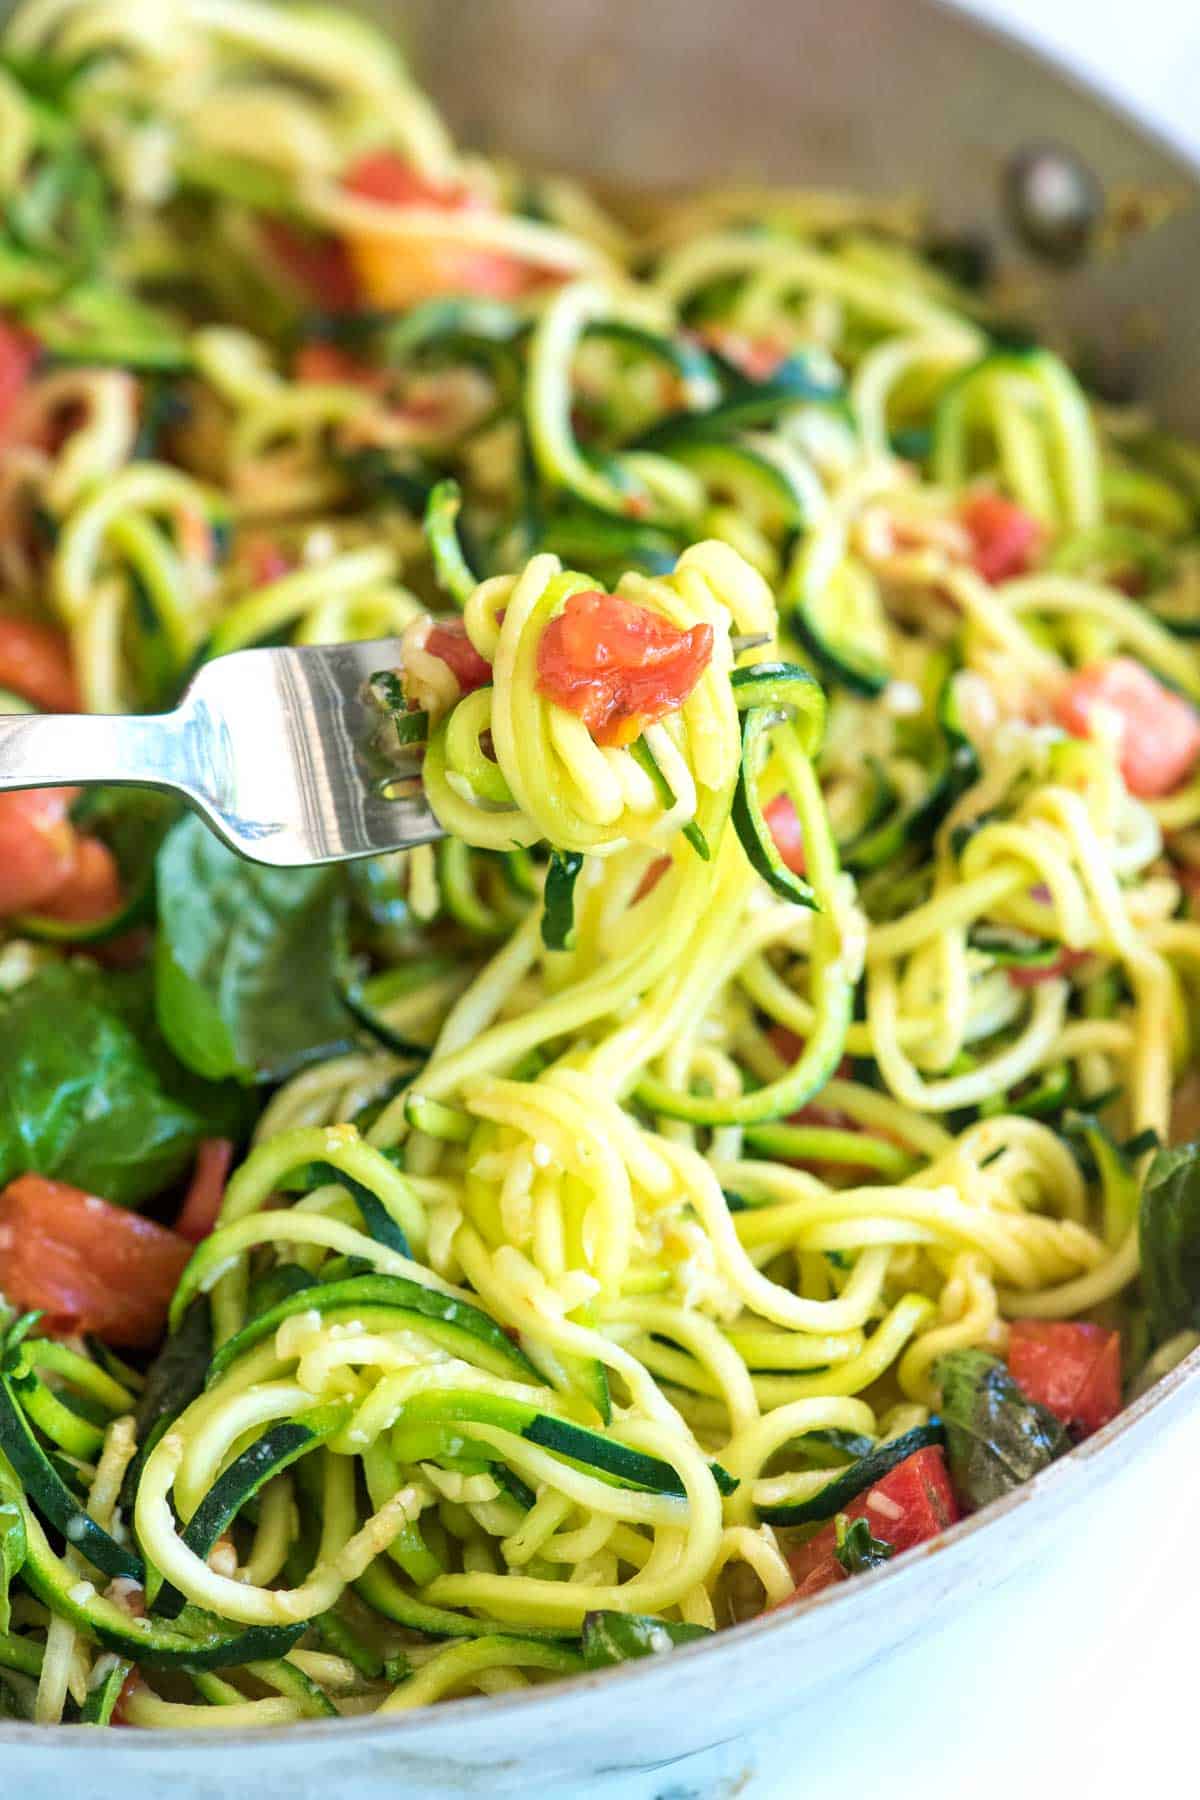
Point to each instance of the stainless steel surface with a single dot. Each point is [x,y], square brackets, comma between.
[884,94]
[270,746]
[888,96]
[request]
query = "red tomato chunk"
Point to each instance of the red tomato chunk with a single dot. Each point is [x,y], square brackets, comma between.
[202,1202]
[37,847]
[912,1503]
[18,354]
[1037,973]
[1159,732]
[92,890]
[451,643]
[619,666]
[317,264]
[35,661]
[784,825]
[86,1265]
[1005,538]
[1073,1368]
[404,272]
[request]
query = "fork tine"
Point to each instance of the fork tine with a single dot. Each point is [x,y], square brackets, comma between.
[280,756]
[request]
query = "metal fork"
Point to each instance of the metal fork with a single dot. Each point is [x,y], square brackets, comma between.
[276,749]
[272,747]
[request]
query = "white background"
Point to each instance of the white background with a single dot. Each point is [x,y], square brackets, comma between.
[1080,1679]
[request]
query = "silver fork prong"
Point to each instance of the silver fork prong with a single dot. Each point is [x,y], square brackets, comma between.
[273,747]
[750,640]
[284,739]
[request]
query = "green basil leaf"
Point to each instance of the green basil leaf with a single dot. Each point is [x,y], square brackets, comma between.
[89,1094]
[1169,1235]
[558,907]
[996,1437]
[857,1550]
[612,1637]
[245,960]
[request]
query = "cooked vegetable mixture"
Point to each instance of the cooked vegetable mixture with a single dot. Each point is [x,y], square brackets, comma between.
[739,1147]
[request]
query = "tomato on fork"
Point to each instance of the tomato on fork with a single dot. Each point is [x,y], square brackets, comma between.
[619,666]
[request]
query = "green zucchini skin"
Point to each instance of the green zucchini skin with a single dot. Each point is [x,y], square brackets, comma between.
[1013,949]
[558,905]
[101,1702]
[851,1482]
[196,1640]
[441,534]
[800,379]
[49,1493]
[387,1595]
[770,694]
[644,756]
[175,1379]
[276,1450]
[562,1437]
[390,1292]
[954,768]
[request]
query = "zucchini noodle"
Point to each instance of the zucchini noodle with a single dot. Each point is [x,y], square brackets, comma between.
[743,1050]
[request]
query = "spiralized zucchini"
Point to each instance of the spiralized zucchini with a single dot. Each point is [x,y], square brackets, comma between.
[705,1088]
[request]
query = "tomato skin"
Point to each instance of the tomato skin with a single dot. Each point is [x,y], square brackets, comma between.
[129,1687]
[1070,1366]
[266,561]
[35,661]
[450,642]
[19,352]
[1005,538]
[1037,974]
[206,1191]
[319,361]
[919,1486]
[398,274]
[319,265]
[92,890]
[784,824]
[619,666]
[1160,731]
[86,1265]
[757,358]
[37,847]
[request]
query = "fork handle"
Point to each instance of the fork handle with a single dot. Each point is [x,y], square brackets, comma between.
[43,750]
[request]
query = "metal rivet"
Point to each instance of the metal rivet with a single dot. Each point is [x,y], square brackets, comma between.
[1054,201]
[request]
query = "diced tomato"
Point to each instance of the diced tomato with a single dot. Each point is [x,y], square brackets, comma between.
[400,274]
[202,1203]
[1037,973]
[35,662]
[92,890]
[757,357]
[267,562]
[318,264]
[37,847]
[784,824]
[1159,732]
[450,642]
[19,351]
[1006,539]
[320,361]
[87,1265]
[619,666]
[912,1503]
[1072,1367]
[129,1687]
